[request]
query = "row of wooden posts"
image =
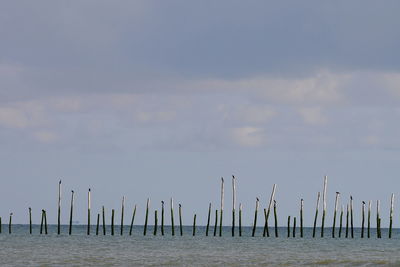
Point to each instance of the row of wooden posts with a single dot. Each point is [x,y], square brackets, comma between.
[349,229]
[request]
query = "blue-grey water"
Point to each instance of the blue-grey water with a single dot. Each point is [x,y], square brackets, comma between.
[22,249]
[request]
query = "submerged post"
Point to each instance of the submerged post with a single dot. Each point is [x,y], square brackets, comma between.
[222,206]
[316,214]
[266,229]
[288,226]
[88,225]
[30,220]
[162,217]
[276,220]
[155,223]
[208,219]
[59,209]
[194,225]
[216,222]
[324,206]
[147,217]
[240,219]
[341,221]
[301,217]
[133,219]
[391,216]
[112,221]
[351,217]
[104,220]
[233,204]
[10,224]
[369,219]
[98,223]
[180,219]
[334,214]
[347,221]
[71,212]
[363,219]
[172,217]
[255,217]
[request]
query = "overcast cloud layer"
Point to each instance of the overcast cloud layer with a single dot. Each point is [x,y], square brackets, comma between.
[157,98]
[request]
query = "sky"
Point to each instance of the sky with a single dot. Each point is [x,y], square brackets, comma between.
[159,99]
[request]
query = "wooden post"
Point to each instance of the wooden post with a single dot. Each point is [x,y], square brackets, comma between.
[265,221]
[378,219]
[172,217]
[194,225]
[71,212]
[45,222]
[334,214]
[10,223]
[347,221]
[301,217]
[98,223]
[0,225]
[30,220]
[180,219]
[104,220]
[162,217]
[147,217]
[294,226]
[351,217]
[41,223]
[363,219]
[276,220]
[88,225]
[59,209]
[155,222]
[341,221]
[391,215]
[324,206]
[240,219]
[380,233]
[369,219]
[112,221]
[316,214]
[122,215]
[216,222]
[222,206]
[255,217]
[271,199]
[133,219]
[233,204]
[208,219]
[288,226]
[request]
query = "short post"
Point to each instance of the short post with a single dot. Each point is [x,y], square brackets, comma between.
[288,226]
[45,222]
[180,219]
[233,204]
[104,220]
[324,206]
[363,219]
[266,229]
[194,225]
[112,221]
[276,220]
[369,219]
[147,216]
[122,215]
[155,223]
[222,206]
[10,223]
[347,221]
[172,217]
[351,217]
[41,223]
[316,214]
[0,225]
[71,212]
[255,217]
[301,217]
[341,221]
[391,215]
[30,220]
[240,219]
[216,222]
[133,219]
[88,225]
[378,230]
[162,217]
[98,223]
[294,226]
[59,209]
[208,219]
[334,214]
[265,222]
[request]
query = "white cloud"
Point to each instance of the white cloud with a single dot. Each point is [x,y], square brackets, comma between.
[248,136]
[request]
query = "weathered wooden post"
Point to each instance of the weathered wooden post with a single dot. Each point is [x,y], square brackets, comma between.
[180,219]
[41,223]
[265,220]
[369,219]
[133,219]
[341,221]
[240,219]
[45,222]
[351,217]
[98,223]
[276,220]
[266,228]
[380,233]
[122,215]
[316,214]
[10,224]
[0,225]
[194,225]
[172,217]
[363,219]
[233,204]
[155,222]
[59,209]
[162,217]
[391,215]
[288,226]
[294,226]
[377,219]
[347,221]
[30,220]
[222,206]
[334,214]
[88,226]
[216,222]
[301,217]
[208,219]
[71,212]
[112,221]
[147,217]
[255,217]
[324,206]
[104,220]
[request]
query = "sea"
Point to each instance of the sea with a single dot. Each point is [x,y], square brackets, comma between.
[23,249]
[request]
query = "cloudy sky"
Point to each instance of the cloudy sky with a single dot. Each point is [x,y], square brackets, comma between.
[162,98]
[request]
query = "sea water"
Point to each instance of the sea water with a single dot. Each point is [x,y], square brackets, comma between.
[22,249]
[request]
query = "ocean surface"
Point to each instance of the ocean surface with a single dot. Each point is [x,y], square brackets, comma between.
[22,249]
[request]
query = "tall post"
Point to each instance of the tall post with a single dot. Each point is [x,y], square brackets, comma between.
[265,219]
[112,221]
[294,226]
[133,219]
[334,214]
[162,217]
[208,219]
[172,217]
[88,225]
[98,223]
[180,219]
[30,220]
[104,220]
[276,220]
[0,225]
[216,222]
[301,217]
[71,212]
[222,206]
[363,219]
[341,221]
[122,215]
[233,204]
[391,215]
[316,214]
[240,219]
[59,209]
[288,226]
[271,199]
[377,219]
[324,206]
[45,222]
[147,217]
[369,219]
[194,225]
[255,217]
[41,223]
[155,223]
[347,221]
[10,223]
[351,217]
